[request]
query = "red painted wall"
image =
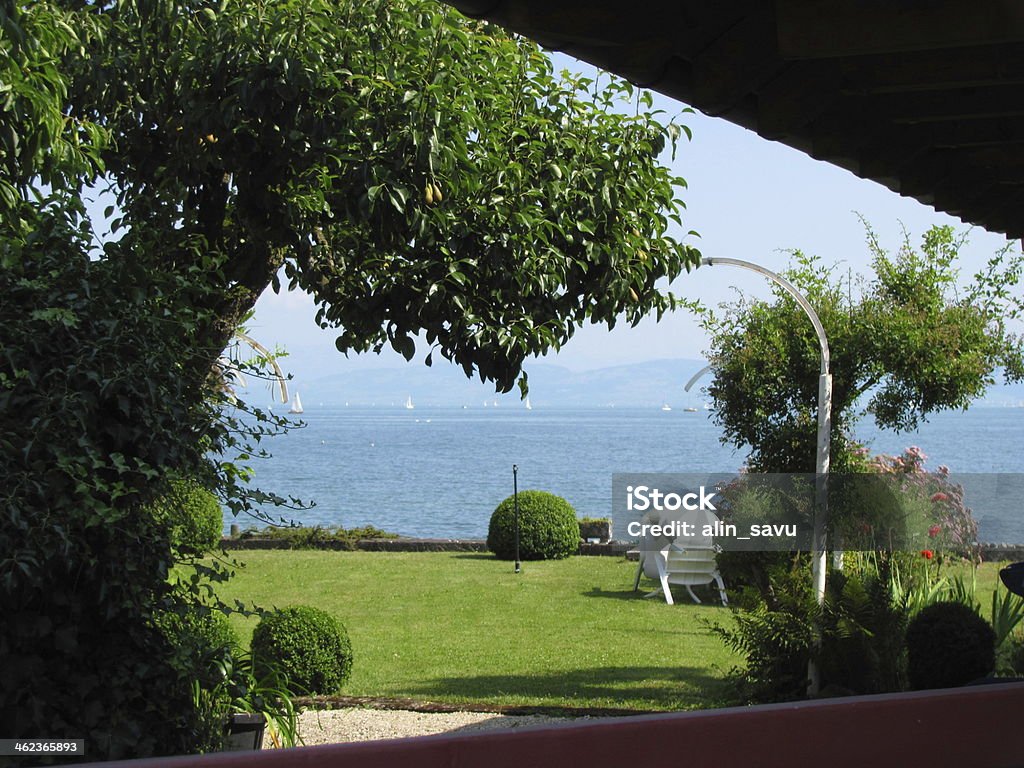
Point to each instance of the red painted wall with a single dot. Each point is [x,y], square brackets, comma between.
[975,727]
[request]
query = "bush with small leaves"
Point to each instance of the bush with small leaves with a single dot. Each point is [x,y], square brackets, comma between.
[948,645]
[308,644]
[193,516]
[548,528]
[208,630]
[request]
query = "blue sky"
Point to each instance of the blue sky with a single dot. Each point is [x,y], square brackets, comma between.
[747,197]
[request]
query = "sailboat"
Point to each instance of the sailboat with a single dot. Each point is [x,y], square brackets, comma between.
[666,407]
[408,403]
[296,406]
[528,406]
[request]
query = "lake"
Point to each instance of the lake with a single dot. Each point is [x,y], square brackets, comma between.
[439,472]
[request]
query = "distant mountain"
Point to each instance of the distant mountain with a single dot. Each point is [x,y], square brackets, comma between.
[647,384]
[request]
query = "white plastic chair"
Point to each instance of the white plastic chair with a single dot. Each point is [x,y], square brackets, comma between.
[673,563]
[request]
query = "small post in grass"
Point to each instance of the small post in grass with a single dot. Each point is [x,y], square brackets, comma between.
[515,504]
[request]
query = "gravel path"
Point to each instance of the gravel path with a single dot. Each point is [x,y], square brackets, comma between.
[333,726]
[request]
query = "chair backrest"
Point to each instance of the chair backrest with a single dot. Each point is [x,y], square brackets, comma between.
[691,566]
[652,547]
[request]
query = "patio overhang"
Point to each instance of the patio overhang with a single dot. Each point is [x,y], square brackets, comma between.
[925,97]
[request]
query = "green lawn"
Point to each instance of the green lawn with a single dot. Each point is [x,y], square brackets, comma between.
[463,627]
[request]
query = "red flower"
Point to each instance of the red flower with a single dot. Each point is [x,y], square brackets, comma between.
[934,531]
[927,554]
[940,496]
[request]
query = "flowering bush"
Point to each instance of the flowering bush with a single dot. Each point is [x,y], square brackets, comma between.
[894,503]
[951,528]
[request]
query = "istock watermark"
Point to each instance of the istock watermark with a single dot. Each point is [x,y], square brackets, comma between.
[641,498]
[777,512]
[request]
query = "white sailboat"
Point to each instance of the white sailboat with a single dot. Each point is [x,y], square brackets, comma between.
[666,407]
[296,406]
[528,406]
[408,403]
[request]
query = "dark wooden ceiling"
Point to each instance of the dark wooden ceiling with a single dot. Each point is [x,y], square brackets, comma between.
[923,96]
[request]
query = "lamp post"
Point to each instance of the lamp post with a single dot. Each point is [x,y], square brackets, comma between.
[818,542]
[515,505]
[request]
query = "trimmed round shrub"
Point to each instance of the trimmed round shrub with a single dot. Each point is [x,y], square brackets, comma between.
[548,529]
[207,631]
[948,645]
[309,645]
[193,516]
[211,630]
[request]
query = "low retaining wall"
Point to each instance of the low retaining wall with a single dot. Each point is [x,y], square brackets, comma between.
[410,545]
[998,553]
[373,545]
[990,553]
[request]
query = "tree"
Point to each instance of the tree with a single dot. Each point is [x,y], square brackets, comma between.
[418,172]
[906,343]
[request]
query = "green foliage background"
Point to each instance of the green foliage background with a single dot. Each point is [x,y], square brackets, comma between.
[237,140]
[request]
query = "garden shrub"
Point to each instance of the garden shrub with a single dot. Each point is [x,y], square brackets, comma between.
[208,631]
[1010,658]
[548,529]
[317,537]
[862,634]
[193,516]
[204,643]
[948,645]
[310,645]
[856,637]
[775,639]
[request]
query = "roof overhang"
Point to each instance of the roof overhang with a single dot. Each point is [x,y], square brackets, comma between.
[923,96]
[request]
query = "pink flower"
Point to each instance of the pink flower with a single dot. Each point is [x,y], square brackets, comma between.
[940,496]
[934,531]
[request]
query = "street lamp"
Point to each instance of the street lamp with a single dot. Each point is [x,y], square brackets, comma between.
[824,429]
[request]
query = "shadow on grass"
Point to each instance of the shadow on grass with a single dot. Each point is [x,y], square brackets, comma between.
[652,688]
[709,597]
[616,594]
[477,556]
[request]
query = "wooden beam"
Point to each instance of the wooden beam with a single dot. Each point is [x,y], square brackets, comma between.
[936,106]
[843,130]
[885,148]
[819,29]
[931,70]
[798,95]
[998,211]
[971,171]
[737,63]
